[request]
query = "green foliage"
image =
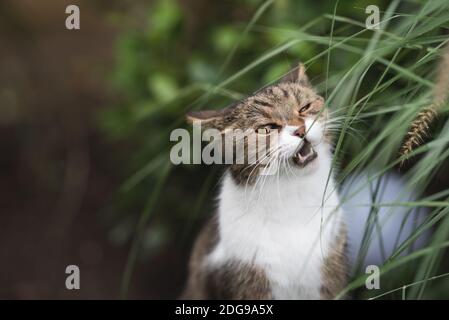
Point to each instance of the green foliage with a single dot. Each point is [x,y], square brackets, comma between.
[376,81]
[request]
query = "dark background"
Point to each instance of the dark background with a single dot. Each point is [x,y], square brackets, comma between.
[56,170]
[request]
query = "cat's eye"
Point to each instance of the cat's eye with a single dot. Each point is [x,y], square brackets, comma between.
[305,108]
[267,128]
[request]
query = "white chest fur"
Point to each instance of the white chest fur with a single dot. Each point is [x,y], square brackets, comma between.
[285,228]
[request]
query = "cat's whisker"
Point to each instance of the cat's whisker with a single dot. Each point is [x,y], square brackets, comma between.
[270,163]
[271,152]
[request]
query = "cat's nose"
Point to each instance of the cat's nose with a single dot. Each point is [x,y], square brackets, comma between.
[300,132]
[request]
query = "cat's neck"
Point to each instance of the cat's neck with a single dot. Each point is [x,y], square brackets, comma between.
[263,224]
[293,192]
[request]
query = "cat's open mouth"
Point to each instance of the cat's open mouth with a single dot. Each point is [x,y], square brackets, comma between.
[305,154]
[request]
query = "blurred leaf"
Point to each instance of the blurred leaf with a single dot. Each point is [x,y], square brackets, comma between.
[276,71]
[162,86]
[165,14]
[224,38]
[201,71]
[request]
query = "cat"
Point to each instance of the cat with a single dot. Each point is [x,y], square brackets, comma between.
[278,236]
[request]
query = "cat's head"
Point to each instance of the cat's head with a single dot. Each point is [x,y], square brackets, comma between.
[290,110]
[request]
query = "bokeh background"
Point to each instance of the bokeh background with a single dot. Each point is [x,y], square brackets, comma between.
[85,118]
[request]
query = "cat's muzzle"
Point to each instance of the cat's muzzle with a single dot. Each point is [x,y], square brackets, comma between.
[304,154]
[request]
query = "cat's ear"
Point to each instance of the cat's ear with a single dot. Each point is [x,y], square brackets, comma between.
[207,118]
[297,75]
